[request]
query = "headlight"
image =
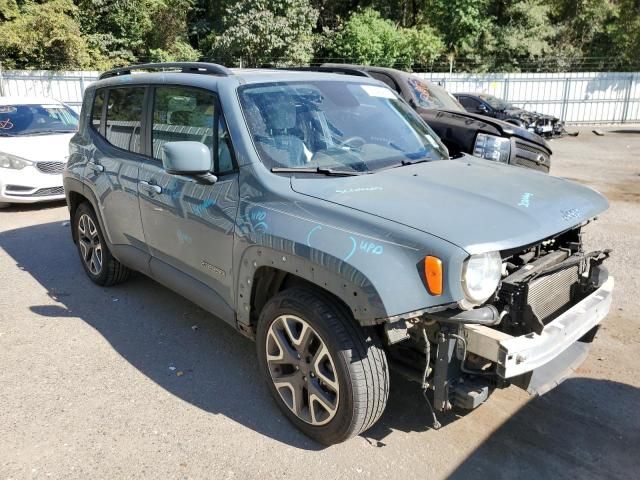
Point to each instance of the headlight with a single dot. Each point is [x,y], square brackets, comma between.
[480,276]
[13,162]
[492,148]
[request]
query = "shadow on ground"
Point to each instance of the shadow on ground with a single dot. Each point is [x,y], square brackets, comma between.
[583,422]
[28,207]
[585,428]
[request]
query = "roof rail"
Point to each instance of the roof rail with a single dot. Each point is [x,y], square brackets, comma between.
[183,67]
[329,69]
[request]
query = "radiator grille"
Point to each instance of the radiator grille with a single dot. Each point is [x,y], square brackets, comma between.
[549,294]
[50,167]
[529,155]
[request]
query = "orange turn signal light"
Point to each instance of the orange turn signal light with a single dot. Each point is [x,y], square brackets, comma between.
[433,274]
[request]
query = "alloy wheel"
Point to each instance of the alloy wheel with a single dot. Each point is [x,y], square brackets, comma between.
[302,370]
[89,244]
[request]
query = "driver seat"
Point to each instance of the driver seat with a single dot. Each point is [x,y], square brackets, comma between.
[282,147]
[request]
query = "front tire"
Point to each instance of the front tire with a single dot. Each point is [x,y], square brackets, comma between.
[326,373]
[101,267]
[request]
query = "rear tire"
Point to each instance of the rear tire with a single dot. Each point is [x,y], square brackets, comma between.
[309,344]
[97,261]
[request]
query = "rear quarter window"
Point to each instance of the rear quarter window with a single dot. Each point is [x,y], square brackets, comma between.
[96,110]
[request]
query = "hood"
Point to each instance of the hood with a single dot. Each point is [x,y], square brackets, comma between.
[475,204]
[506,129]
[38,147]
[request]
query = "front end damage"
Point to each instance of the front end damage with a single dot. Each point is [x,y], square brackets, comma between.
[532,333]
[547,126]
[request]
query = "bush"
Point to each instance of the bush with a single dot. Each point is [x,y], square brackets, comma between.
[266,32]
[369,39]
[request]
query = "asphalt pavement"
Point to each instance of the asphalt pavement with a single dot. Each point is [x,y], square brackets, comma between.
[134,381]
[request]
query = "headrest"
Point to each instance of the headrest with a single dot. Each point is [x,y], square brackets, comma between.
[280,113]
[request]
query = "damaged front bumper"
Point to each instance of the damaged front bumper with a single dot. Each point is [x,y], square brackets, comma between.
[552,353]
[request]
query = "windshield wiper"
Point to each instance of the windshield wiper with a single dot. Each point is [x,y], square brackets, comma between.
[320,170]
[413,162]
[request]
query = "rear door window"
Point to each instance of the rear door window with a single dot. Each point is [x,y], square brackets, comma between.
[124,118]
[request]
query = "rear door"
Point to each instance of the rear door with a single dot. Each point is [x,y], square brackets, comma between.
[188,223]
[114,163]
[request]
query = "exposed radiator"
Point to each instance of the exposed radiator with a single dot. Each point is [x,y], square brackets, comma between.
[549,294]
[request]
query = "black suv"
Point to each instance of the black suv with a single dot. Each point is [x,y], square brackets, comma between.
[460,130]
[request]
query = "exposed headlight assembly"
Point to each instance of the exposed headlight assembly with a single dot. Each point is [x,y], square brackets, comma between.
[480,277]
[11,161]
[493,148]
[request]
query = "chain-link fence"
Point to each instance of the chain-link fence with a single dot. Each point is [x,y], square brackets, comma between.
[576,97]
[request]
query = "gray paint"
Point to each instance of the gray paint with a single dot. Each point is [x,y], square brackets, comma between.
[186,157]
[361,238]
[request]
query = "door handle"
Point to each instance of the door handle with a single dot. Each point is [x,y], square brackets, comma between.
[149,187]
[96,167]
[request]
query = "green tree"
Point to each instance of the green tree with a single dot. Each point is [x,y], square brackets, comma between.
[623,29]
[266,32]
[128,31]
[521,33]
[8,9]
[581,29]
[465,25]
[370,39]
[43,36]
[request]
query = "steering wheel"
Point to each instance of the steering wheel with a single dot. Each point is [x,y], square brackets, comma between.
[353,139]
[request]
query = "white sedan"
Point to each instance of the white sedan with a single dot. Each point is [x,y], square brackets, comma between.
[34,146]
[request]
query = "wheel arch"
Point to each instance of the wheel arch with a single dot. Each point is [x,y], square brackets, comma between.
[77,194]
[263,272]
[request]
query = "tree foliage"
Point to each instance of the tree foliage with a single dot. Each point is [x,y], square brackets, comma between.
[480,35]
[45,36]
[370,39]
[267,32]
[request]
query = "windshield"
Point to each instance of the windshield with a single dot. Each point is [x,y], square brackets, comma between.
[495,102]
[428,95]
[335,124]
[24,120]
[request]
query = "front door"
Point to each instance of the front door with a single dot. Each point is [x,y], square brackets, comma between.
[189,223]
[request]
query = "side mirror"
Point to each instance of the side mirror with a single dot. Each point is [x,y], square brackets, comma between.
[483,108]
[186,158]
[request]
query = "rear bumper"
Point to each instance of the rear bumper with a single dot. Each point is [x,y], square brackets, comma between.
[516,356]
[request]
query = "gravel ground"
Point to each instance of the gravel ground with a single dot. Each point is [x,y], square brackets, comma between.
[90,384]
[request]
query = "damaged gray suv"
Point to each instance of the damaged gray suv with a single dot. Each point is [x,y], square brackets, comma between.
[320,216]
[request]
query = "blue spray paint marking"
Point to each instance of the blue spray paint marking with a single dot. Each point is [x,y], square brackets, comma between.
[258,215]
[359,189]
[172,193]
[525,199]
[317,227]
[200,208]
[183,237]
[371,248]
[353,250]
